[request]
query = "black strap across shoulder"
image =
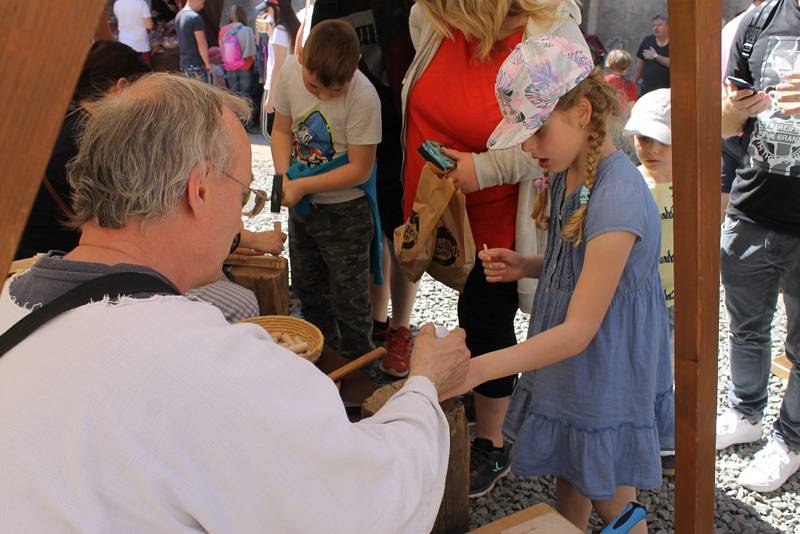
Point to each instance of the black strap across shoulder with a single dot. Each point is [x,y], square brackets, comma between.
[112,285]
[761,19]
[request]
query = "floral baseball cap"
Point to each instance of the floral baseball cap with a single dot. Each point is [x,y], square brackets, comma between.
[535,75]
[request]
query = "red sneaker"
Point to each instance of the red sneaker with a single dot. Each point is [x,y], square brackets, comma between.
[397,360]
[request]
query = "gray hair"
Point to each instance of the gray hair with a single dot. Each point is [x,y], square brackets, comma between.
[139,147]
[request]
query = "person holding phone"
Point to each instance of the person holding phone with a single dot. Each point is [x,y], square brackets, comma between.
[760,242]
[449,98]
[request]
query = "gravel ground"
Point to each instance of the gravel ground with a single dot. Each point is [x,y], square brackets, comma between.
[738,510]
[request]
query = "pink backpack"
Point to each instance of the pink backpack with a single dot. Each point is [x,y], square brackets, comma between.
[231,50]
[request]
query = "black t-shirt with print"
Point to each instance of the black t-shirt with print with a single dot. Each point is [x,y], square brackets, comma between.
[654,74]
[766,190]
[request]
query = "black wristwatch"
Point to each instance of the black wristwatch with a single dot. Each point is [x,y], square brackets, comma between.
[236,240]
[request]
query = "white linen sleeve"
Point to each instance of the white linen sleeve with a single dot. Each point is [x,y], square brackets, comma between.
[265,445]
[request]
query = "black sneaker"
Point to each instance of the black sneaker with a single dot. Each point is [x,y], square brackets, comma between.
[487,465]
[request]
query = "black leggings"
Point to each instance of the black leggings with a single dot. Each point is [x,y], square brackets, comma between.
[486,312]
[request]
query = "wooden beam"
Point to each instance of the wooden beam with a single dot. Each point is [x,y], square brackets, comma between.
[695,65]
[103,31]
[37,84]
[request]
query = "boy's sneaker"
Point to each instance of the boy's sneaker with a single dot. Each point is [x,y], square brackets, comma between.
[770,468]
[380,330]
[397,361]
[668,463]
[733,429]
[487,465]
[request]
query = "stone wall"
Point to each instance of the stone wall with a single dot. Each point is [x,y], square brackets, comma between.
[624,23]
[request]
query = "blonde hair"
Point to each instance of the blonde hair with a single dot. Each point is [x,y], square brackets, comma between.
[130,165]
[618,60]
[483,19]
[603,99]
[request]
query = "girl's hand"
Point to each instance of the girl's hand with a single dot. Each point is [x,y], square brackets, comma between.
[463,174]
[502,265]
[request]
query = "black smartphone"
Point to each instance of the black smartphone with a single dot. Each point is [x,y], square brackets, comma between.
[740,84]
[430,152]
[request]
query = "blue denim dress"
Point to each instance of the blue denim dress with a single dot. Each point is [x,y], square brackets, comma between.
[600,418]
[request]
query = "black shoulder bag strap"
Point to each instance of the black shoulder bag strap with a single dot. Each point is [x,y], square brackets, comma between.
[111,285]
[761,19]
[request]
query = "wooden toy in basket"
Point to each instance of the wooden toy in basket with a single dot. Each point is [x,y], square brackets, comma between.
[297,335]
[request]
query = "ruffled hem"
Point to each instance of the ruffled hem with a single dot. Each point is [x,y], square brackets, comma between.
[593,459]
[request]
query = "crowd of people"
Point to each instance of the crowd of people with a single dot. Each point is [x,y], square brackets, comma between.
[160,414]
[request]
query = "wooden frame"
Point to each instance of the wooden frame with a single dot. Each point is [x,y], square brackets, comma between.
[695,28]
[37,85]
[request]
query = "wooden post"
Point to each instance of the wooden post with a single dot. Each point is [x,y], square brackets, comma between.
[453,514]
[36,87]
[103,31]
[695,66]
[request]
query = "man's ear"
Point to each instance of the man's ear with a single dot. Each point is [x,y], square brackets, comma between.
[120,84]
[196,195]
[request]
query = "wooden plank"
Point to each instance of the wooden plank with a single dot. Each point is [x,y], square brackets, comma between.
[103,31]
[695,58]
[37,84]
[781,366]
[538,518]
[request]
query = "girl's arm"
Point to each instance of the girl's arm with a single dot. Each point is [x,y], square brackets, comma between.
[606,256]
[504,265]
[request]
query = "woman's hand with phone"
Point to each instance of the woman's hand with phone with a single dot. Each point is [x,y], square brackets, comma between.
[463,174]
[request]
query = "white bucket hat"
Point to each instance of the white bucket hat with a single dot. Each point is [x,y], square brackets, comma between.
[650,117]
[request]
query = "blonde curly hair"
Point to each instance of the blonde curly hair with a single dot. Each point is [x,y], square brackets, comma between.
[483,19]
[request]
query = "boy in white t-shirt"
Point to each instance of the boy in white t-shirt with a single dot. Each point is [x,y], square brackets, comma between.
[651,126]
[328,122]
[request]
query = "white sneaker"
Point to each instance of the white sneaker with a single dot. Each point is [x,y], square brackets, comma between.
[770,468]
[732,429]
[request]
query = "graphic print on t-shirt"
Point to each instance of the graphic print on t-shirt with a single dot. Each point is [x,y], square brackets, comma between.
[364,24]
[775,144]
[312,141]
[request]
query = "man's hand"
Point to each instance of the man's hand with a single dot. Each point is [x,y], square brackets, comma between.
[746,102]
[444,361]
[788,93]
[650,53]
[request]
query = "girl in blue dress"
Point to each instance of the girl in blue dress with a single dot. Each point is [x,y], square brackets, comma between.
[595,403]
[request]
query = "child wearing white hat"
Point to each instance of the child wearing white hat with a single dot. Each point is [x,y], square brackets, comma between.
[650,126]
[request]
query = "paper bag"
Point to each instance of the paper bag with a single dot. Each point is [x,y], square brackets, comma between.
[437,237]
[414,240]
[454,248]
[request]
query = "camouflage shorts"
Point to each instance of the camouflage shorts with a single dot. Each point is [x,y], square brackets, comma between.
[329,252]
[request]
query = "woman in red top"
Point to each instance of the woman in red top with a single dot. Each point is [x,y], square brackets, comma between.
[448,97]
[617,63]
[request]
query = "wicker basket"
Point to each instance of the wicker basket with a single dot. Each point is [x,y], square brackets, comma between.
[294,327]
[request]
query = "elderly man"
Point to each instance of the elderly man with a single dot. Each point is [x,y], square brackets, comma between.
[149,412]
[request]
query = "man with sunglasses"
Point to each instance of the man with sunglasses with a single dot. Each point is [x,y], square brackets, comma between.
[151,413]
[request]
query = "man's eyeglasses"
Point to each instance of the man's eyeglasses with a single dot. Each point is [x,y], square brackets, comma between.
[253,200]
